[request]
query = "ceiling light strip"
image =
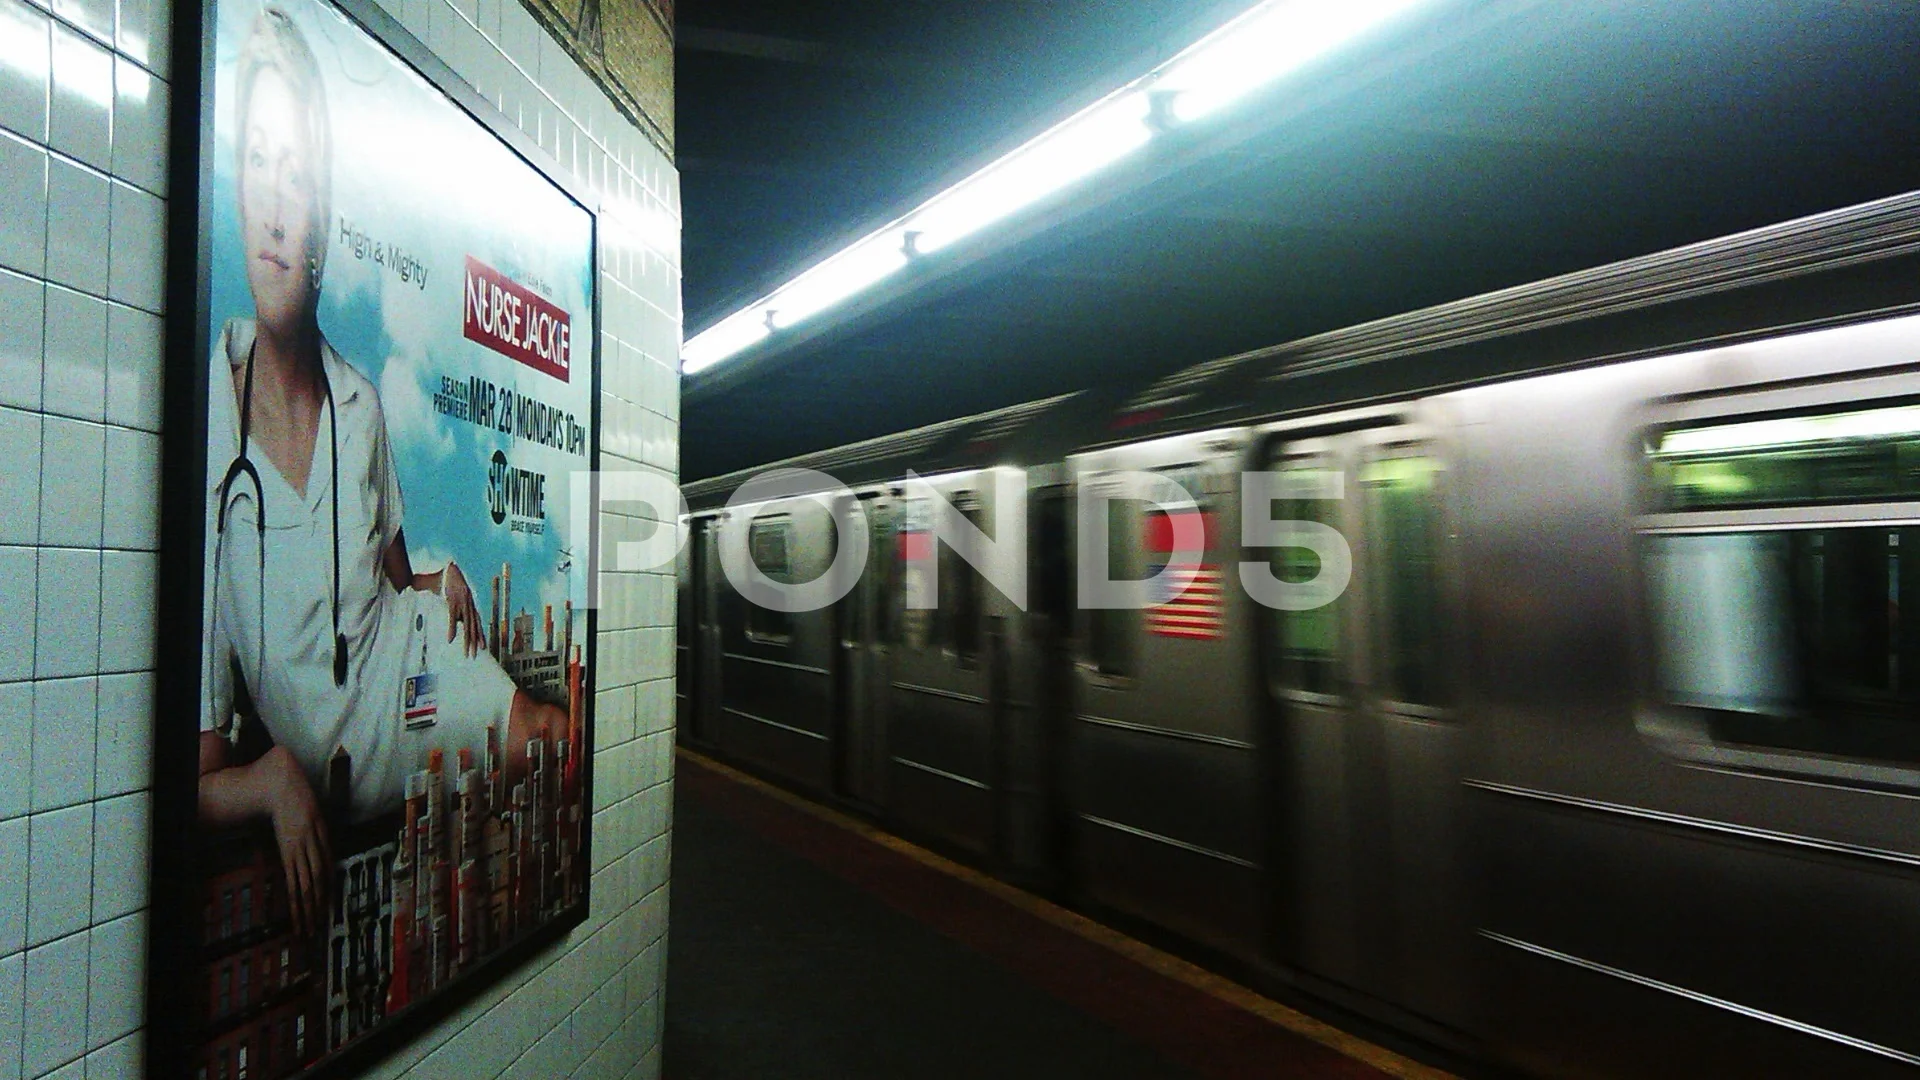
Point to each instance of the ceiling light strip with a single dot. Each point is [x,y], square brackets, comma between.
[1267,42]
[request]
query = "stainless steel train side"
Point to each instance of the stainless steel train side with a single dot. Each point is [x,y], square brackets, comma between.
[942,720]
[1661,901]
[1601,765]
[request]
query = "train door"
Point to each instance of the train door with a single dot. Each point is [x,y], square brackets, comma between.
[778,701]
[941,754]
[1165,819]
[1369,771]
[863,679]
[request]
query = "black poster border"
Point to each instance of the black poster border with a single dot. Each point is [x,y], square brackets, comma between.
[174,899]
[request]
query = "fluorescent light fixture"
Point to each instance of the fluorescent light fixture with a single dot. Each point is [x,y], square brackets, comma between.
[724,338]
[1269,41]
[845,274]
[1264,44]
[1901,421]
[1070,152]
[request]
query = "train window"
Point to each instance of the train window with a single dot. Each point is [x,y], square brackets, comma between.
[1793,638]
[960,603]
[882,575]
[1110,641]
[892,582]
[915,628]
[1052,580]
[1410,625]
[1868,455]
[954,625]
[1310,642]
[1797,632]
[768,544]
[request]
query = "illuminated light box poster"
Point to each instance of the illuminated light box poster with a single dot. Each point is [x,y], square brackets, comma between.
[376,793]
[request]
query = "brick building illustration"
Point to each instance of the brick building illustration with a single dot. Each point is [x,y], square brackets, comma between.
[419,897]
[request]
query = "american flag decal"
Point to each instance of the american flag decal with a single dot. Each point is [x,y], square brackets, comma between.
[1187,600]
[1188,603]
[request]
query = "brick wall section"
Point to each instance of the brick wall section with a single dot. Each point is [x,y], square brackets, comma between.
[83,113]
[627,47]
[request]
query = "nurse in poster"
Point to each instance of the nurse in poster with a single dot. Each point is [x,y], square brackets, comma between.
[393,732]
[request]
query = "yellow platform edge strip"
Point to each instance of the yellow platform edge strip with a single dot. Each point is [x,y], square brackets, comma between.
[1164,964]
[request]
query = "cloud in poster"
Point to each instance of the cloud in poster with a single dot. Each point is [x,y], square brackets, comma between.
[409,408]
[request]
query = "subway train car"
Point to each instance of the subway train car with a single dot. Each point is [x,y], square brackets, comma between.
[1606,760]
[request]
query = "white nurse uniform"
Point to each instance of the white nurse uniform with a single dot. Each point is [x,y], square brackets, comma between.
[275,618]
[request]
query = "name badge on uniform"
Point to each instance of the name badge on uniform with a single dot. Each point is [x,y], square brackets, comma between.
[422,698]
[420,694]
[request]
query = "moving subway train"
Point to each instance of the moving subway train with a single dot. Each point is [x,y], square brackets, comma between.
[1605,763]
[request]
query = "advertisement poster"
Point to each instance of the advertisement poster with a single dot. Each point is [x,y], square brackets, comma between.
[394,716]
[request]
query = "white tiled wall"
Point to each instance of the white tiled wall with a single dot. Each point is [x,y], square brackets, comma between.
[83,110]
[83,113]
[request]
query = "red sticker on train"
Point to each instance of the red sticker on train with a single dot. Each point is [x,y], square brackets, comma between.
[515,321]
[916,545]
[1160,526]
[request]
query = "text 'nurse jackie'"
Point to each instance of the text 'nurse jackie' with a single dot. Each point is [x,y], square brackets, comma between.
[515,321]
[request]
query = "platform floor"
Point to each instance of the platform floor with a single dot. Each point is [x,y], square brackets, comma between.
[804,944]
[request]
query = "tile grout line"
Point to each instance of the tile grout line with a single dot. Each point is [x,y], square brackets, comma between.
[1165,964]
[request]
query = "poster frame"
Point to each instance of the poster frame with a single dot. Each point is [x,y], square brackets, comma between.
[174,895]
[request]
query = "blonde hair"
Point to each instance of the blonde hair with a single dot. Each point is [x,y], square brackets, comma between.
[275,43]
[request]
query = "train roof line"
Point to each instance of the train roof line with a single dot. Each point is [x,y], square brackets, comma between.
[1869,231]
[1002,421]
[1239,388]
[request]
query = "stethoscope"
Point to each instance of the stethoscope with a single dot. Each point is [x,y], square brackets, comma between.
[242,466]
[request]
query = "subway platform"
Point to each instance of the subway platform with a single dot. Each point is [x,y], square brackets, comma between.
[806,944]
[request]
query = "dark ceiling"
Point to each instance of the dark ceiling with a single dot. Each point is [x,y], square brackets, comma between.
[1489,143]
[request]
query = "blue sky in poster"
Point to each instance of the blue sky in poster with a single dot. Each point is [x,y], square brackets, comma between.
[414,174]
